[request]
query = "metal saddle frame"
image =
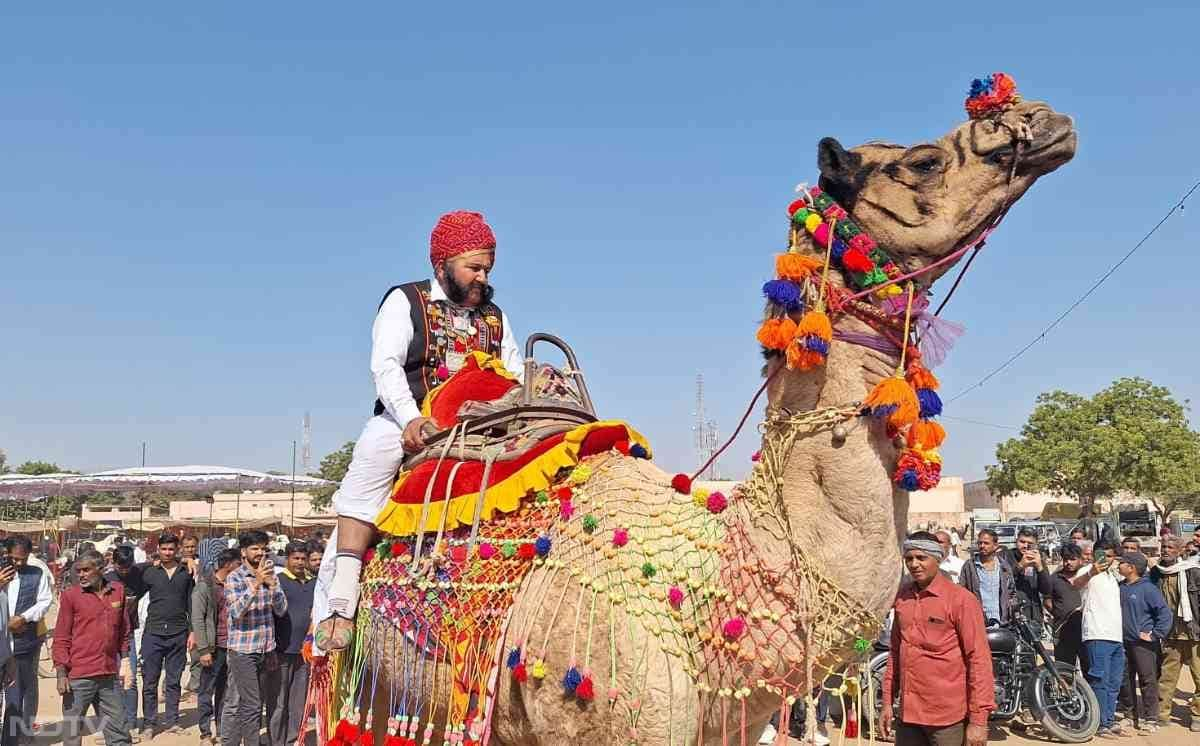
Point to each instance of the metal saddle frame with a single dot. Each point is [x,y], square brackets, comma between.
[521,416]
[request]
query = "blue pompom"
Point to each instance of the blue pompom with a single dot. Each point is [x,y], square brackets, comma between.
[931,403]
[572,680]
[514,657]
[783,293]
[637,450]
[839,248]
[816,344]
[883,410]
[909,481]
[542,546]
[981,86]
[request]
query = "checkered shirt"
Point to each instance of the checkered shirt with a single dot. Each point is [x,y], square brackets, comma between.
[252,611]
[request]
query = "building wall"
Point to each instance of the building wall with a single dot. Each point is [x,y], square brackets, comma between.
[228,506]
[113,513]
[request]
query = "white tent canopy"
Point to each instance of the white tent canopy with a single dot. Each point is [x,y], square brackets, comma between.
[193,479]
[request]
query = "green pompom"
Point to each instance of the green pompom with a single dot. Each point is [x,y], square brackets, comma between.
[648,570]
[799,216]
[508,549]
[542,497]
[590,523]
[862,645]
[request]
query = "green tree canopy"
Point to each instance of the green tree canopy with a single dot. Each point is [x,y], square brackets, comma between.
[1133,436]
[3,462]
[333,467]
[38,467]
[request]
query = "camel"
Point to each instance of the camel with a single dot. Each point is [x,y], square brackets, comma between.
[696,617]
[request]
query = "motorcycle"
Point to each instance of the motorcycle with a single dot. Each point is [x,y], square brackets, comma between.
[1027,678]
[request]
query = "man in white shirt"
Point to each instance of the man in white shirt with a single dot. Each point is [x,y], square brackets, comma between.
[953,564]
[1100,593]
[423,333]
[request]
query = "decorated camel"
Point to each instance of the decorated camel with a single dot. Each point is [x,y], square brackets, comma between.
[580,594]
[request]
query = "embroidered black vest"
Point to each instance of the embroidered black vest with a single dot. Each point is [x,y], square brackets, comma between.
[436,343]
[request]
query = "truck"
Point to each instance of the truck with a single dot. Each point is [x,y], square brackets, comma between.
[1136,519]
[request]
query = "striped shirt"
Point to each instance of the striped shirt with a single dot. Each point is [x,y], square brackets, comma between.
[251,610]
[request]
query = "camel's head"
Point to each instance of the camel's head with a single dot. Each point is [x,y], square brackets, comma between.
[921,202]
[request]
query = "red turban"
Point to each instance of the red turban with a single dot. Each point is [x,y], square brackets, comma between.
[458,233]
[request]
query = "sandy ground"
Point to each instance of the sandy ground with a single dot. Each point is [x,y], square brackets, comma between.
[1175,734]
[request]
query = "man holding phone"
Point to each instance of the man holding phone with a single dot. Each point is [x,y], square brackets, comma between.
[1103,634]
[253,599]
[1031,581]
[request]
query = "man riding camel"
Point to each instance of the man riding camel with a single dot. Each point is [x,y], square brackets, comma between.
[423,332]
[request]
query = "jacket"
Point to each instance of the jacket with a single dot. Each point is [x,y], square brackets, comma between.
[204,616]
[1158,577]
[969,579]
[1143,609]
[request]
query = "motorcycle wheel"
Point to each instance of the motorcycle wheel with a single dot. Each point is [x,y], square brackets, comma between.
[1069,717]
[875,705]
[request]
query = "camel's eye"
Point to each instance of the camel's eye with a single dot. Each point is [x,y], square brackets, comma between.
[925,165]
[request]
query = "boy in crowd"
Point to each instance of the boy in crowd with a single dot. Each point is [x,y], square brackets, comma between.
[1146,621]
[289,681]
[1066,609]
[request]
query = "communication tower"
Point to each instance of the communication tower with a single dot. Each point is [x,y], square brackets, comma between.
[306,445]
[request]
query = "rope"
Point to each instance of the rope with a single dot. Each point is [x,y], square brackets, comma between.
[907,328]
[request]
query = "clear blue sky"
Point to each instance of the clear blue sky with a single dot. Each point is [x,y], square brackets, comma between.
[199,208]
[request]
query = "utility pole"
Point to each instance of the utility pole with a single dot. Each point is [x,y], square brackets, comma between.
[142,497]
[306,445]
[293,526]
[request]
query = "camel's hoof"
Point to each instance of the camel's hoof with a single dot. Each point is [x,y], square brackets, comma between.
[335,633]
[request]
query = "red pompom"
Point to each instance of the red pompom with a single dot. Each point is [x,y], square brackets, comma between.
[622,447]
[682,484]
[398,549]
[563,493]
[856,261]
[791,209]
[346,731]
[586,689]
[458,553]
[520,674]
[526,551]
[366,738]
[368,556]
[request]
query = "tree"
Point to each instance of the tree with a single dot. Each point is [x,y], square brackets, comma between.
[35,468]
[3,462]
[1132,436]
[333,467]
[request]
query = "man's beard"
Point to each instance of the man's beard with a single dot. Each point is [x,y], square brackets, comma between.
[458,293]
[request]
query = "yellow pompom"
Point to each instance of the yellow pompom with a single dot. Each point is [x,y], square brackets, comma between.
[812,221]
[888,291]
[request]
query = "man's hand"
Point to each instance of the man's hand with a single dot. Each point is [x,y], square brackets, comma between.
[265,575]
[64,685]
[1148,637]
[412,439]
[7,574]
[126,674]
[16,624]
[885,722]
[206,660]
[1035,558]
[976,735]
[191,641]
[192,566]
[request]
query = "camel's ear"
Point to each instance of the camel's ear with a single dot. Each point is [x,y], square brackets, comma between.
[836,163]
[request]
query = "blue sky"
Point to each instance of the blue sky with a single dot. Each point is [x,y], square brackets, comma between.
[201,207]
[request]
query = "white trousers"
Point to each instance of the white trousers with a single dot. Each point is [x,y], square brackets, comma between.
[363,492]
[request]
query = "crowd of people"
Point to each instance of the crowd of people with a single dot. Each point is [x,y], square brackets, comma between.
[234,617]
[1130,628]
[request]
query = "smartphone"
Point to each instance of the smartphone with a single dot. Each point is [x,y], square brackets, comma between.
[267,561]
[5,562]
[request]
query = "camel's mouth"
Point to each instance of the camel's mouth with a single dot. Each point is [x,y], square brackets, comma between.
[1051,143]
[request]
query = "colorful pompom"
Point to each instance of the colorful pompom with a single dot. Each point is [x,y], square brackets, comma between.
[648,570]
[795,266]
[346,731]
[458,553]
[811,343]
[716,503]
[733,628]
[919,377]
[620,537]
[675,597]
[783,293]
[572,679]
[925,435]
[590,522]
[486,551]
[514,657]
[542,546]
[368,556]
[538,669]
[776,334]
[563,493]
[566,509]
[681,483]
[637,450]
[930,403]
[991,95]
[526,551]
[894,400]
[520,673]
[586,690]
[508,549]
[622,447]
[398,549]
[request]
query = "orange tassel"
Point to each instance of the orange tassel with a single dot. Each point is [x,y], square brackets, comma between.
[925,435]
[894,399]
[795,267]
[799,358]
[815,324]
[919,377]
[776,334]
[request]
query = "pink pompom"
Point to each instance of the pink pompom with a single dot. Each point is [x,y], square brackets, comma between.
[443,372]
[756,457]
[734,628]
[566,510]
[620,537]
[675,597]
[821,234]
[487,551]
[716,503]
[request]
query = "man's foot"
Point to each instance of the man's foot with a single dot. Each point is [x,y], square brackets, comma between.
[135,736]
[768,735]
[175,730]
[1107,734]
[1195,726]
[1148,728]
[335,633]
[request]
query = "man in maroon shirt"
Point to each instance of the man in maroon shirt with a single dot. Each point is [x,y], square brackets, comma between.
[91,635]
[940,664]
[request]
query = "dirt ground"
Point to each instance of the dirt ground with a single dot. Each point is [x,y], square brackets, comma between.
[49,719]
